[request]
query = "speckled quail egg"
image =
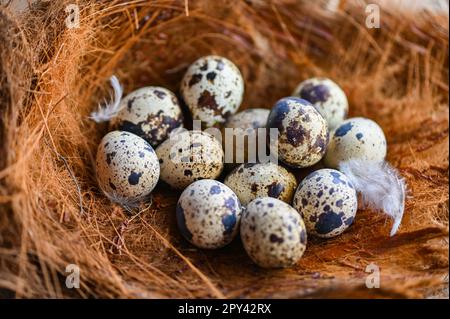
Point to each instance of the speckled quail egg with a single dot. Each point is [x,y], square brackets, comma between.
[273,233]
[327,201]
[189,156]
[250,181]
[247,122]
[356,138]
[127,167]
[208,214]
[303,132]
[212,88]
[327,97]
[149,112]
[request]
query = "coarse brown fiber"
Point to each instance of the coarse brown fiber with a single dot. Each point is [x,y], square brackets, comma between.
[52,213]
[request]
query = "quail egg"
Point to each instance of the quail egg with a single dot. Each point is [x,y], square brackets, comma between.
[327,201]
[208,214]
[246,124]
[250,181]
[127,167]
[189,156]
[149,112]
[327,97]
[303,132]
[356,138]
[273,233]
[212,88]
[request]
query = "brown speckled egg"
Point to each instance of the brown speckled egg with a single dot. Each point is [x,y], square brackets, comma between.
[327,201]
[212,88]
[149,112]
[303,132]
[356,138]
[327,97]
[247,123]
[273,233]
[189,156]
[208,214]
[250,181]
[127,167]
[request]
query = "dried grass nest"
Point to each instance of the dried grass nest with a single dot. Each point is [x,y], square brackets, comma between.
[52,213]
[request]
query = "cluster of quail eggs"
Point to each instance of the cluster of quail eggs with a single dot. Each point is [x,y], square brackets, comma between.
[262,201]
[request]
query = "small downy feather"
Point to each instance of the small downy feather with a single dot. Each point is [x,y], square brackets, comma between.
[380,185]
[111,108]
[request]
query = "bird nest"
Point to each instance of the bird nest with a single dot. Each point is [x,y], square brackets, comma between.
[52,214]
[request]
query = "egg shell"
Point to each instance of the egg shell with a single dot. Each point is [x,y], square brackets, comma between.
[303,132]
[250,181]
[249,119]
[327,97]
[356,138]
[208,214]
[213,89]
[273,233]
[327,201]
[127,168]
[149,112]
[247,122]
[189,156]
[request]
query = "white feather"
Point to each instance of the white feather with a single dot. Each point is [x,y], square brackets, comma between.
[111,108]
[380,185]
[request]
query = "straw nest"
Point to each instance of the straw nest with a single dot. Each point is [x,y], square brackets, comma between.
[52,213]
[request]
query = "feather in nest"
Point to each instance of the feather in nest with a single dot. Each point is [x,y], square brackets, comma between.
[109,109]
[380,185]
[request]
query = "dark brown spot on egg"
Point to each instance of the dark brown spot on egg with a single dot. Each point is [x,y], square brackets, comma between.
[315,93]
[130,103]
[131,127]
[195,79]
[328,221]
[208,101]
[133,178]
[321,144]
[204,67]
[160,94]
[296,134]
[307,118]
[113,187]
[278,113]
[275,239]
[211,76]
[275,189]
[109,157]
